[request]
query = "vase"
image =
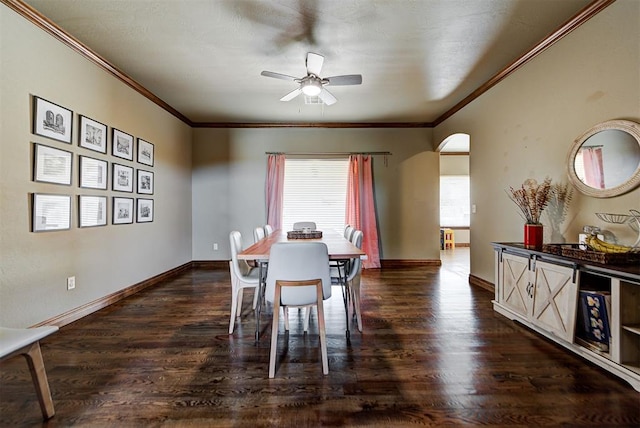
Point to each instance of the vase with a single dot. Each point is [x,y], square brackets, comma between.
[533,236]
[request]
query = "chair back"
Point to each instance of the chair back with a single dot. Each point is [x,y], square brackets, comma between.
[258,233]
[268,229]
[240,267]
[298,261]
[356,264]
[348,232]
[299,225]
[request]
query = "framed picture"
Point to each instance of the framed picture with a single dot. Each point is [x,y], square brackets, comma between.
[51,165]
[145,182]
[145,152]
[93,173]
[122,144]
[93,135]
[51,120]
[145,211]
[50,212]
[122,178]
[92,211]
[122,210]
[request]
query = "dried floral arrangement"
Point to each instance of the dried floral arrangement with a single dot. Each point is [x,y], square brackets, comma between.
[532,198]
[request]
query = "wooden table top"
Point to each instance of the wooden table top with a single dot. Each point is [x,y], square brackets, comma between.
[338,246]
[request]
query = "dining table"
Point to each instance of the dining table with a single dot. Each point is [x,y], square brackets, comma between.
[340,250]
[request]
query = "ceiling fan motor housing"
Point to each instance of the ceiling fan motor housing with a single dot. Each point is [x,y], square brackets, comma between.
[311,86]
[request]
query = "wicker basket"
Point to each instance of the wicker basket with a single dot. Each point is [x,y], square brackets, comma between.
[554,248]
[600,257]
[301,234]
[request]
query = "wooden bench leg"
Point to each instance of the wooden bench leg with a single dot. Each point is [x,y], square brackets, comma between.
[36,365]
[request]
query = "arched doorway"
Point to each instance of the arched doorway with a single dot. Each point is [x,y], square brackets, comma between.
[455,205]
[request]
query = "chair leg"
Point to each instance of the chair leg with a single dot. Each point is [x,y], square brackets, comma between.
[234,297]
[355,289]
[274,333]
[240,295]
[307,316]
[285,310]
[234,305]
[255,296]
[39,376]
[321,327]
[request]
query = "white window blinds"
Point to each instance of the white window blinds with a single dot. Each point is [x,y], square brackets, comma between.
[315,190]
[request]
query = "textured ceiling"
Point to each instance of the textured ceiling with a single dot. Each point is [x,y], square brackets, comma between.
[204,57]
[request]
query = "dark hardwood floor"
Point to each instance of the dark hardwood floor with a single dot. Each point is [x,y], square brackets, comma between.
[433,352]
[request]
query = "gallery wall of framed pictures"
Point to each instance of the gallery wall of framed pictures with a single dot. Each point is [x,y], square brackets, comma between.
[98,171]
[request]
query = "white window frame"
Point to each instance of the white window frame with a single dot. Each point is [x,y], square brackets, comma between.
[455,201]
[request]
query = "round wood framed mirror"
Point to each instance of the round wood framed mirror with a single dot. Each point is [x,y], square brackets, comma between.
[605,161]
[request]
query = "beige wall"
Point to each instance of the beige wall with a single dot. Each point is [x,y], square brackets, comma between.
[229,169]
[34,266]
[209,181]
[524,126]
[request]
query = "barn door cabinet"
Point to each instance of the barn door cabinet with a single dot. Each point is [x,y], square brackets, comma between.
[543,292]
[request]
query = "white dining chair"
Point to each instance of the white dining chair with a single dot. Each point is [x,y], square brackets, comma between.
[300,225]
[258,233]
[268,229]
[242,276]
[353,278]
[348,232]
[347,274]
[298,277]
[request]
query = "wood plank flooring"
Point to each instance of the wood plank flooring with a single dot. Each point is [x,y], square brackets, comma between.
[433,352]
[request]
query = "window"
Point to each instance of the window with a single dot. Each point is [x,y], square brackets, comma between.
[454,201]
[315,190]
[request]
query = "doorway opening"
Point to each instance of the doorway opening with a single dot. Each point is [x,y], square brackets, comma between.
[455,200]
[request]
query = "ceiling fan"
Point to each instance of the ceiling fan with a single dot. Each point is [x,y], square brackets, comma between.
[312,84]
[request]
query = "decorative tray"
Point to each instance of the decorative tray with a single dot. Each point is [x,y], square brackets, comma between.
[301,234]
[575,252]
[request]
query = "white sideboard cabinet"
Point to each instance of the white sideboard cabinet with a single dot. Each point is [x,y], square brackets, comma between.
[542,291]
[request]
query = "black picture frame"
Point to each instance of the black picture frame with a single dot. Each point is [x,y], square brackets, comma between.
[144,182]
[122,144]
[122,178]
[52,165]
[92,211]
[94,173]
[145,152]
[92,135]
[51,120]
[144,210]
[50,212]
[123,210]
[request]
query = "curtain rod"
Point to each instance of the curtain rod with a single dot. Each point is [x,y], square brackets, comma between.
[329,153]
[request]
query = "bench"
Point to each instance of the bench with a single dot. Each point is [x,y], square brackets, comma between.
[26,341]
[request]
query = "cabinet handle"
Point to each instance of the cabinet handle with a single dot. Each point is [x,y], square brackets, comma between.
[530,290]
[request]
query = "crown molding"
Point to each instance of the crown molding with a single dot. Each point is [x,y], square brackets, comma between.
[57,32]
[580,18]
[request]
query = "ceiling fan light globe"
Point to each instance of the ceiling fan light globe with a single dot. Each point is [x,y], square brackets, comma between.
[311,88]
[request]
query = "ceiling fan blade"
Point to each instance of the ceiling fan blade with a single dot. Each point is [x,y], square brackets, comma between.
[327,97]
[314,63]
[278,75]
[348,79]
[291,95]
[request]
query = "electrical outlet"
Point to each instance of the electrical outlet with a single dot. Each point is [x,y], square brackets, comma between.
[215,246]
[71,283]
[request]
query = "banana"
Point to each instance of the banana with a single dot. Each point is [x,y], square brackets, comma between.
[596,244]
